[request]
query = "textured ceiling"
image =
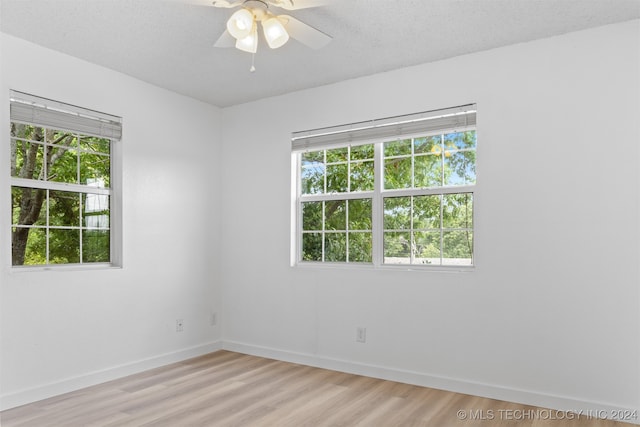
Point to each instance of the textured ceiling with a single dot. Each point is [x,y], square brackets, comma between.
[169,43]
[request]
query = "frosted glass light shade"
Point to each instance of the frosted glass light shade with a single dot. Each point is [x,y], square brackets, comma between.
[250,42]
[240,24]
[274,32]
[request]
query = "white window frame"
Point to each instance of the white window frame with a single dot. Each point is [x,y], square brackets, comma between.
[376,132]
[37,111]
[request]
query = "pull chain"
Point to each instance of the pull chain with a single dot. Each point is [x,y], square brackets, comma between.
[253,61]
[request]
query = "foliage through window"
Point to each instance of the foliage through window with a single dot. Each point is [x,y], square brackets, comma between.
[399,200]
[61,189]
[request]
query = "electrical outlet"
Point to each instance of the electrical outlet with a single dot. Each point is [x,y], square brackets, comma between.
[213,319]
[179,325]
[361,334]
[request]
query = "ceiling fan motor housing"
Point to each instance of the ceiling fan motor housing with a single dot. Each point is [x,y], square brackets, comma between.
[257,7]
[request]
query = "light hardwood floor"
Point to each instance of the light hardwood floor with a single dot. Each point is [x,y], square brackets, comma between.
[232,389]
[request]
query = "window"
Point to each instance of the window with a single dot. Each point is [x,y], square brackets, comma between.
[395,191]
[62,189]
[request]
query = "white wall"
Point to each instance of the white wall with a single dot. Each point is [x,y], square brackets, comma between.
[63,330]
[550,315]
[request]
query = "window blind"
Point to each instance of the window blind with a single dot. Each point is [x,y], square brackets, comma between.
[459,118]
[44,112]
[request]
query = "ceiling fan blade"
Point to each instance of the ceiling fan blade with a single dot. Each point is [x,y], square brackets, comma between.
[225,40]
[192,2]
[298,4]
[227,3]
[304,33]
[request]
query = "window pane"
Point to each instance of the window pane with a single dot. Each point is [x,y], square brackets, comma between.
[460,166]
[397,247]
[457,210]
[96,145]
[27,206]
[30,132]
[96,211]
[64,208]
[100,221]
[362,152]
[427,247]
[426,212]
[335,247]
[15,205]
[336,215]
[337,178]
[95,170]
[460,140]
[63,164]
[312,173]
[61,138]
[362,176]
[312,216]
[397,173]
[312,246]
[312,157]
[27,159]
[337,155]
[457,248]
[28,246]
[397,213]
[428,171]
[360,247]
[64,246]
[426,145]
[397,148]
[312,178]
[360,214]
[95,246]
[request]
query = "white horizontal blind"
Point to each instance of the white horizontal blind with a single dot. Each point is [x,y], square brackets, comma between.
[429,122]
[44,112]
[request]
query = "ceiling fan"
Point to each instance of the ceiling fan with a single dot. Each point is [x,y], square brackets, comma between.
[242,26]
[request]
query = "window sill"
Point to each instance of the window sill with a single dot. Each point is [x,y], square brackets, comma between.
[385,267]
[63,268]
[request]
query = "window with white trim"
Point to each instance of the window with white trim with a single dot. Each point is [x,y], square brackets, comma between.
[64,206]
[395,191]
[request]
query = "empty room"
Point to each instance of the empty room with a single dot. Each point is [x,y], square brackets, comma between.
[319,213]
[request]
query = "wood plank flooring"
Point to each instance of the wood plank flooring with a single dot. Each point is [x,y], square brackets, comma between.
[231,389]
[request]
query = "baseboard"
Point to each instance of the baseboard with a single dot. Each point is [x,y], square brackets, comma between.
[552,402]
[12,400]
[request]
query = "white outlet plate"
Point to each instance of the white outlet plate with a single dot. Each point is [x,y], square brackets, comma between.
[213,319]
[179,325]
[361,334]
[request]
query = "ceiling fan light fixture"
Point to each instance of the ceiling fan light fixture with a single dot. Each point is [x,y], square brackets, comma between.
[274,32]
[250,42]
[241,24]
